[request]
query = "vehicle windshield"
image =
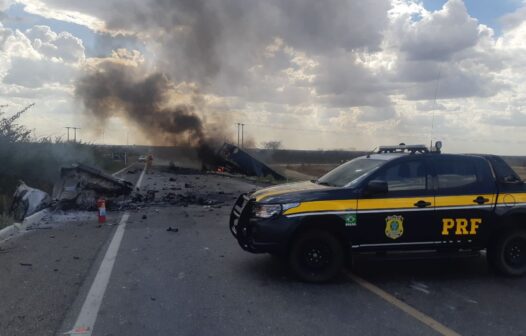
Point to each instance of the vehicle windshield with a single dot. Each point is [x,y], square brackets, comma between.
[349,172]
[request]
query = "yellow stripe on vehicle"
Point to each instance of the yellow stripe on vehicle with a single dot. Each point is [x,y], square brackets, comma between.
[403,203]
[462,200]
[360,204]
[511,198]
[393,203]
[320,206]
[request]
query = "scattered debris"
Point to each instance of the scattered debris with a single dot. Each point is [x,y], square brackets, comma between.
[27,201]
[25,264]
[419,287]
[186,199]
[170,229]
[144,216]
[29,228]
[150,195]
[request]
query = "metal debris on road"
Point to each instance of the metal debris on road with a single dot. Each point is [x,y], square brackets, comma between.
[27,201]
[170,229]
[80,186]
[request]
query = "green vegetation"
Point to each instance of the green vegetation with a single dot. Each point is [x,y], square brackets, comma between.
[37,161]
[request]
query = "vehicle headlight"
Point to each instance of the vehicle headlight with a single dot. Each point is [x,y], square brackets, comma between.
[271,210]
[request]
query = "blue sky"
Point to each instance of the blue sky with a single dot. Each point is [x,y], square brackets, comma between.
[487,12]
[96,44]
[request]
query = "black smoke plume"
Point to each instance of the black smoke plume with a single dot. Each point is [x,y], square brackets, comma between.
[116,89]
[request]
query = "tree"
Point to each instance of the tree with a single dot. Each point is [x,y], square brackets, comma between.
[272,145]
[10,131]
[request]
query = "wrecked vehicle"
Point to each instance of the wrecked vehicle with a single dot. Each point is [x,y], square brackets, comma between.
[239,161]
[81,185]
[27,201]
[400,199]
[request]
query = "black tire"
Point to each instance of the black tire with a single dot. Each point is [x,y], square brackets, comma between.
[316,256]
[508,254]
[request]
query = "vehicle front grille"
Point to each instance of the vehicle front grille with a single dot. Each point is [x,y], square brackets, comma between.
[239,216]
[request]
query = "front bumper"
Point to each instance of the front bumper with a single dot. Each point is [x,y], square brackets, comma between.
[258,235]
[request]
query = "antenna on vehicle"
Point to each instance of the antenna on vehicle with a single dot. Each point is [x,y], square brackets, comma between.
[437,83]
[371,152]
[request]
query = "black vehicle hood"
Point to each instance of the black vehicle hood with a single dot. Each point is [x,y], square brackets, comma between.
[301,192]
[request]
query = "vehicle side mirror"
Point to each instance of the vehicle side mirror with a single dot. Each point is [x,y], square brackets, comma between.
[376,187]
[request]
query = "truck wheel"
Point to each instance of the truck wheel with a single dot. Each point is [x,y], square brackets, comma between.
[316,256]
[508,255]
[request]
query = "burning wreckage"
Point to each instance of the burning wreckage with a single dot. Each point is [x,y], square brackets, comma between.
[79,187]
[235,160]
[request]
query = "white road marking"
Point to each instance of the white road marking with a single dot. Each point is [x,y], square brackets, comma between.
[428,321]
[139,182]
[123,169]
[90,308]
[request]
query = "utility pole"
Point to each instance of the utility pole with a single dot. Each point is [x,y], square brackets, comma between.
[68,131]
[75,133]
[242,135]
[238,129]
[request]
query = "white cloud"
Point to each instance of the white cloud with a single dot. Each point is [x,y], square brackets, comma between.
[39,57]
[373,67]
[47,10]
[438,35]
[62,46]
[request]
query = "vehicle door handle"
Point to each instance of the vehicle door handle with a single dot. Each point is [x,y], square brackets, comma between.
[422,204]
[481,200]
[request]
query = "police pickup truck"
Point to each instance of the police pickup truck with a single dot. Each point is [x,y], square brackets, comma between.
[400,198]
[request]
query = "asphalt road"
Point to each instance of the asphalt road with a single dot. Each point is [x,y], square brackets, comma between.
[198,281]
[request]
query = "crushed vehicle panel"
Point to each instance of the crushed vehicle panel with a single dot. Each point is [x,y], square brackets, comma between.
[81,185]
[27,201]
